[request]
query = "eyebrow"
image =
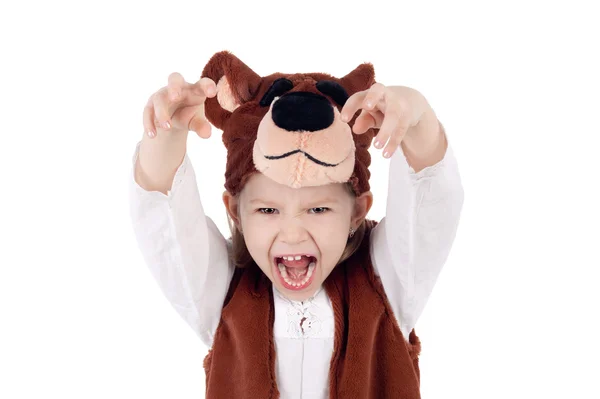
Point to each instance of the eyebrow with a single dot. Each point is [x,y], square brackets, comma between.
[262,201]
[312,203]
[326,200]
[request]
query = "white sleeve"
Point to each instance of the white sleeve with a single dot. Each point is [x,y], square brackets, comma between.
[412,242]
[184,250]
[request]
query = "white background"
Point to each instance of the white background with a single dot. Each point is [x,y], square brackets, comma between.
[515,311]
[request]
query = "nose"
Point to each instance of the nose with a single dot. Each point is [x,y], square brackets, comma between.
[303,111]
[292,232]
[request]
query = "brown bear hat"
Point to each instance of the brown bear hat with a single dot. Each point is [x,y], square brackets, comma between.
[288,126]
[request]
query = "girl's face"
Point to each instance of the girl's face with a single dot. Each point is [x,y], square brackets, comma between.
[296,236]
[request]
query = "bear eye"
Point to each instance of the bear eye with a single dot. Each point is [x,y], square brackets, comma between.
[333,90]
[278,87]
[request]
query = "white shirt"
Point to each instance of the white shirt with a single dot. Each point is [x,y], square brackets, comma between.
[188,257]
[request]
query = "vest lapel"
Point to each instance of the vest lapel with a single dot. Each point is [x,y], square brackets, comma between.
[241,363]
[371,359]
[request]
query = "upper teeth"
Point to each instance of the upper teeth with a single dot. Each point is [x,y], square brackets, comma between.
[297,257]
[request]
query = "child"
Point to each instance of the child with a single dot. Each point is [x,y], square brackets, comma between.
[308,298]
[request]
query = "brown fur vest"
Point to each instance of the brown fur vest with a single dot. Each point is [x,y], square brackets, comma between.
[371,358]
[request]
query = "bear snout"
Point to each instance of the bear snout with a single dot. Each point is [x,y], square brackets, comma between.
[303,112]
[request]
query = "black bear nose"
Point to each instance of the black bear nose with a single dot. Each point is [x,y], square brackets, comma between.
[302,111]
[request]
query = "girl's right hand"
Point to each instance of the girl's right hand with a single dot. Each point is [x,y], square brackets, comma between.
[179,107]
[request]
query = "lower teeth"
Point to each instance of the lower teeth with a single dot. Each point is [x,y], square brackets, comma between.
[284,274]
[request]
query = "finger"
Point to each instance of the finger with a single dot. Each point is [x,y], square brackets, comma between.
[364,122]
[394,113]
[199,124]
[352,105]
[375,97]
[205,87]
[161,109]
[191,96]
[175,86]
[394,142]
[394,128]
[387,128]
[148,119]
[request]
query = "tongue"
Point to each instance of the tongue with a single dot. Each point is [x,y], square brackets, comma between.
[296,273]
[302,263]
[296,269]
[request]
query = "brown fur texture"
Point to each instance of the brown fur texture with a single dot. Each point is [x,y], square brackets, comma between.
[371,358]
[332,145]
[237,112]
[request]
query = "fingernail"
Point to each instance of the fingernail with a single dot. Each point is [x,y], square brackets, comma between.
[386,154]
[344,118]
[167,125]
[369,104]
[377,144]
[151,134]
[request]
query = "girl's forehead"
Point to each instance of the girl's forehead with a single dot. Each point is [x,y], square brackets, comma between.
[260,187]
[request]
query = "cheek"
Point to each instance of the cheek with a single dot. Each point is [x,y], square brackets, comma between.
[331,225]
[258,235]
[330,235]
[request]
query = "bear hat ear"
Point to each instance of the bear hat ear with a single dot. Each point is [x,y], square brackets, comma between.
[225,96]
[236,84]
[361,78]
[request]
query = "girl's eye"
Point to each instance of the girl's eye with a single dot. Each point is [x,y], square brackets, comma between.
[267,211]
[272,211]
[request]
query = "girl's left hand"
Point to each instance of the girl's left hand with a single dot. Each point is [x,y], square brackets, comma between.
[396,111]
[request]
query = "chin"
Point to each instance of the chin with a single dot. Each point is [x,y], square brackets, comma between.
[298,296]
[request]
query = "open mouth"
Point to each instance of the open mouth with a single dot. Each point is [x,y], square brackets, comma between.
[296,272]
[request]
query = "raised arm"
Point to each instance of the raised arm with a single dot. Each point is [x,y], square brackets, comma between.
[183,248]
[413,241]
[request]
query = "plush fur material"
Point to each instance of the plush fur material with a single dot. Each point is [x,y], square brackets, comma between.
[302,112]
[334,90]
[305,158]
[278,88]
[371,358]
[288,126]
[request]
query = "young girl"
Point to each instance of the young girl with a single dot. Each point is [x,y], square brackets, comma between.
[308,298]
